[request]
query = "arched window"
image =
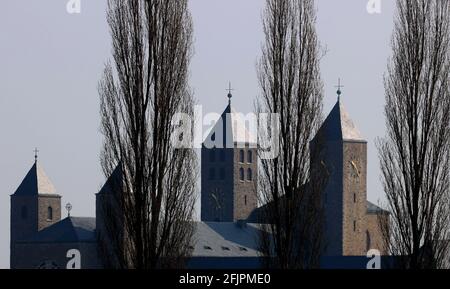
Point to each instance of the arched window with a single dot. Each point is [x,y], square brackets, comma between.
[213,137]
[24,212]
[249,157]
[241,156]
[249,175]
[212,174]
[49,213]
[212,155]
[245,200]
[241,174]
[368,240]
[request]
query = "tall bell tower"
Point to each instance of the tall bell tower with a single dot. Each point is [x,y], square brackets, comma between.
[344,158]
[35,205]
[228,169]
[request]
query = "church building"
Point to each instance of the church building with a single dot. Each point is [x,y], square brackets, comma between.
[227,234]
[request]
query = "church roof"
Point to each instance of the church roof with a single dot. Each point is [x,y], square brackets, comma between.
[374,209]
[68,230]
[35,182]
[225,239]
[339,126]
[233,127]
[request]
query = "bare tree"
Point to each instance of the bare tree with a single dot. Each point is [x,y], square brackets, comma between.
[291,87]
[414,156]
[147,218]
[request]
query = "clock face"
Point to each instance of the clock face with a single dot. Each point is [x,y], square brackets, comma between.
[355,167]
[216,198]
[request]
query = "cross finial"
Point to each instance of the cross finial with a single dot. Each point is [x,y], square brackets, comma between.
[229,89]
[36,151]
[68,208]
[339,86]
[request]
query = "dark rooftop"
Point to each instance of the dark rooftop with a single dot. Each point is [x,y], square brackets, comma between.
[69,230]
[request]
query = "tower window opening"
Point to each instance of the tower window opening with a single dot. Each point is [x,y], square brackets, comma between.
[249,175]
[212,174]
[354,226]
[241,156]
[222,174]
[245,200]
[368,241]
[249,157]
[354,198]
[241,174]
[49,213]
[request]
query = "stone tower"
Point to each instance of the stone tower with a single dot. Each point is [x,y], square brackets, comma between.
[228,170]
[34,206]
[344,158]
[110,219]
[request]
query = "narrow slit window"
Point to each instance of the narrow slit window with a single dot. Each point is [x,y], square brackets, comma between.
[49,213]
[212,174]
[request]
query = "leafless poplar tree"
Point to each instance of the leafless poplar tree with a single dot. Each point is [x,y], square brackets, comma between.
[147,217]
[291,87]
[415,154]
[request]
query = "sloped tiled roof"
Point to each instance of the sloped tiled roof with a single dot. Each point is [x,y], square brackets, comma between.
[222,239]
[374,209]
[233,128]
[69,230]
[35,182]
[339,126]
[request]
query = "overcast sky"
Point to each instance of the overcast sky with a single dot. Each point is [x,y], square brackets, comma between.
[51,61]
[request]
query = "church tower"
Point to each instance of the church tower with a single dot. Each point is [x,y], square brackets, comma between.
[344,159]
[228,169]
[34,206]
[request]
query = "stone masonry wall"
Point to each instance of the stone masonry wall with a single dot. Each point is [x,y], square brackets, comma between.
[45,201]
[245,191]
[354,198]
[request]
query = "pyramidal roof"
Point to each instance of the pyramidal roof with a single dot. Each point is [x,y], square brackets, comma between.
[69,230]
[234,128]
[339,126]
[113,182]
[35,182]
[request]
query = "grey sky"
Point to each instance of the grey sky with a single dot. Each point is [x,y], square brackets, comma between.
[51,61]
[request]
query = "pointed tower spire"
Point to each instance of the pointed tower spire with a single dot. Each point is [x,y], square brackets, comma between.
[36,182]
